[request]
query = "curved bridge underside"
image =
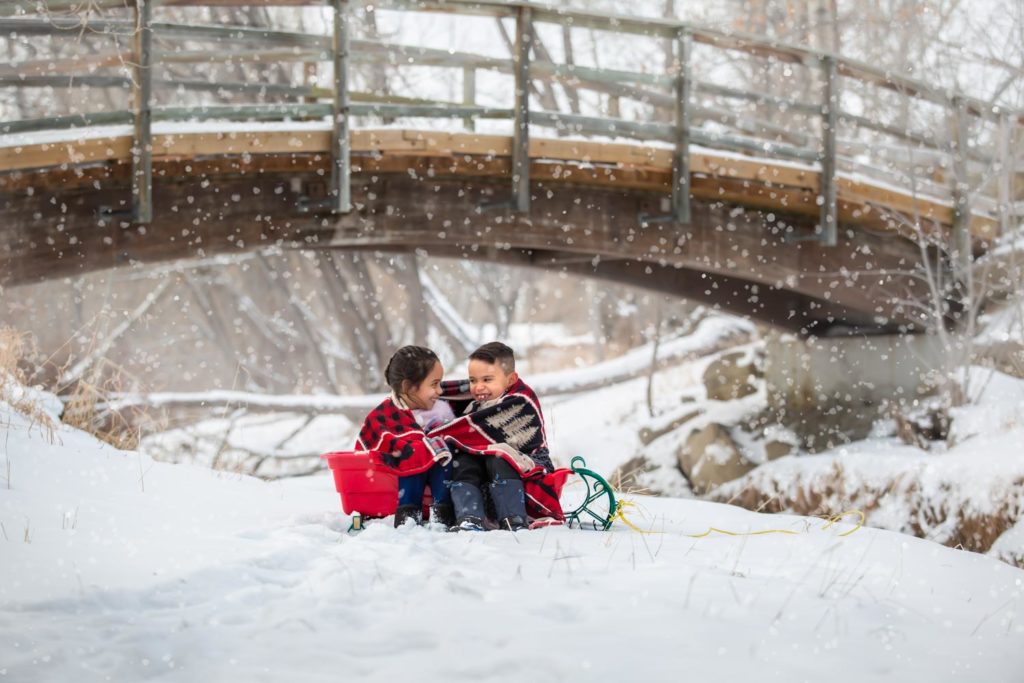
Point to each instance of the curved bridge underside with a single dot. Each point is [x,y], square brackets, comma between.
[597,209]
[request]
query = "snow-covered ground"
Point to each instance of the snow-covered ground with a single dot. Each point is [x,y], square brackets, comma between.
[115,567]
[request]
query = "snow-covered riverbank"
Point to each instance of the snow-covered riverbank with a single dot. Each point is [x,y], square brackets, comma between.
[115,567]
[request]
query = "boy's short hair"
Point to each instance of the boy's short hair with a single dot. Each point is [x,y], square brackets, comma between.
[496,353]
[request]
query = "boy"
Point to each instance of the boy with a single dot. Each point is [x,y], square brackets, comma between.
[499,440]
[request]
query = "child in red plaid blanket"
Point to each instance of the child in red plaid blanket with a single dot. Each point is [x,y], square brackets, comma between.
[397,429]
[499,442]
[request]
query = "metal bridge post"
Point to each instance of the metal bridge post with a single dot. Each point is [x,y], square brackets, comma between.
[829,120]
[961,200]
[142,147]
[469,94]
[681,156]
[521,113]
[341,161]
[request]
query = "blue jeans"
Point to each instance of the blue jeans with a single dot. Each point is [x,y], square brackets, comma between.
[410,489]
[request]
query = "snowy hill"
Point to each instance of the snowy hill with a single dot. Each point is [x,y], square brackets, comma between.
[115,567]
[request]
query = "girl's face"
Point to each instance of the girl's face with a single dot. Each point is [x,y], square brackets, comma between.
[424,396]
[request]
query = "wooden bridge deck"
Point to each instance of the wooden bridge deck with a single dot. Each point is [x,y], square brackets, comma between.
[767,184]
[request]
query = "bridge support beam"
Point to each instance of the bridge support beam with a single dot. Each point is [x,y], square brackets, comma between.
[681,155]
[521,113]
[829,120]
[142,144]
[341,154]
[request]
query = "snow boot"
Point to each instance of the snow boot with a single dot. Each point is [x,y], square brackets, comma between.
[513,523]
[468,505]
[404,512]
[469,524]
[509,504]
[443,513]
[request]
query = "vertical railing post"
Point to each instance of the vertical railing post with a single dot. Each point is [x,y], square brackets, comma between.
[827,187]
[681,155]
[961,199]
[521,108]
[469,94]
[142,147]
[341,161]
[309,80]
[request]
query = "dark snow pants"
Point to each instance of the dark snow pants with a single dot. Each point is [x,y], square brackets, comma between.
[479,471]
[410,489]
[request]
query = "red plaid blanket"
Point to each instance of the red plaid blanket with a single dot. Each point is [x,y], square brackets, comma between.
[512,429]
[394,433]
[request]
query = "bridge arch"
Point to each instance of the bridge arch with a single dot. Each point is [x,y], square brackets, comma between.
[586,218]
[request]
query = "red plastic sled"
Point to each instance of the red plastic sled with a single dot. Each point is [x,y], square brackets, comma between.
[365,486]
[370,490]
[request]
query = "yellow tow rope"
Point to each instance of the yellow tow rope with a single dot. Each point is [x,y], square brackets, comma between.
[620,515]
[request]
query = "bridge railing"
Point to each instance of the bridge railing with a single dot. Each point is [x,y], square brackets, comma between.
[836,116]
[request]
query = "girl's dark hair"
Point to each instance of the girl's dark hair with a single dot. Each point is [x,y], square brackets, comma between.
[409,364]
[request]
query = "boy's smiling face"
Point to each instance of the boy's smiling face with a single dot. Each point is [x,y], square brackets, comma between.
[488,380]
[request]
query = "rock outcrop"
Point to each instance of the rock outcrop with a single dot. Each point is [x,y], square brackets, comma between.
[731,376]
[710,457]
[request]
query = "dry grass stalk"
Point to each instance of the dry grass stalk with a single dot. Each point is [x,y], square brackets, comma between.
[86,408]
[15,351]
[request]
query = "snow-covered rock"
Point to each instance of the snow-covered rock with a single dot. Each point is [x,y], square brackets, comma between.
[731,376]
[710,458]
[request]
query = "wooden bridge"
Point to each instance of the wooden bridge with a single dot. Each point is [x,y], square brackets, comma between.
[804,214]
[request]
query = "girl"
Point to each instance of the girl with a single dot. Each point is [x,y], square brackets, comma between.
[397,430]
